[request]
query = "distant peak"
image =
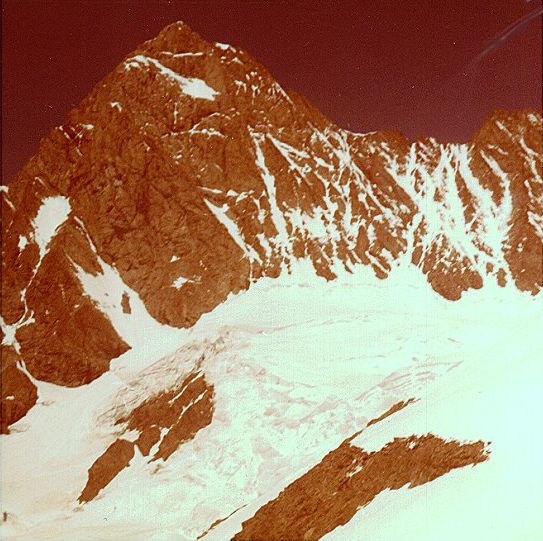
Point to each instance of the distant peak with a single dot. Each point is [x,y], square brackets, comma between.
[177,37]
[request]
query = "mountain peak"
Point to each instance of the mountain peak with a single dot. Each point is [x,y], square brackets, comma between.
[176,38]
[190,174]
[237,291]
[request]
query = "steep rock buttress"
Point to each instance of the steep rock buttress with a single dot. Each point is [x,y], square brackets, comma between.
[188,173]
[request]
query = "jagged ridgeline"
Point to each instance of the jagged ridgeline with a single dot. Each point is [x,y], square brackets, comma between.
[188,173]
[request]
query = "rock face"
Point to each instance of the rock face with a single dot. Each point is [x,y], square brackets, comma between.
[188,173]
[348,478]
[167,419]
[18,392]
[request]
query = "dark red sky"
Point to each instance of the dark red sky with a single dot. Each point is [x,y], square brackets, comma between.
[366,64]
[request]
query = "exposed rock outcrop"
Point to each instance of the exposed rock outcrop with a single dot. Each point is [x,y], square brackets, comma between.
[188,173]
[348,478]
[168,419]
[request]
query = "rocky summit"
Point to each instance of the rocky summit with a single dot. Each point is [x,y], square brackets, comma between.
[189,176]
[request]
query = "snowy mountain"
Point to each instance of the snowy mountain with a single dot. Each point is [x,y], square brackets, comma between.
[224,317]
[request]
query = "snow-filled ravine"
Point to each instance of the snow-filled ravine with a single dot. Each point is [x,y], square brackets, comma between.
[298,364]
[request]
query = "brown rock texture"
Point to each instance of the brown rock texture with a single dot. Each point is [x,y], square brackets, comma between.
[390,411]
[190,173]
[116,457]
[171,418]
[182,412]
[349,478]
[125,303]
[18,397]
[218,521]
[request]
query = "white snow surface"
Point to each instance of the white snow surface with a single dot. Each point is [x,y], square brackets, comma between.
[299,364]
[192,86]
[51,215]
[23,241]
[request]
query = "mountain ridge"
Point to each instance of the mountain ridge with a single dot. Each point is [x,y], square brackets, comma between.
[188,173]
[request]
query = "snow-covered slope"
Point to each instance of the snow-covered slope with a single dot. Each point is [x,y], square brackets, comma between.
[298,365]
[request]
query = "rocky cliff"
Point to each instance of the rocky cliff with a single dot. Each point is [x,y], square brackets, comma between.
[188,173]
